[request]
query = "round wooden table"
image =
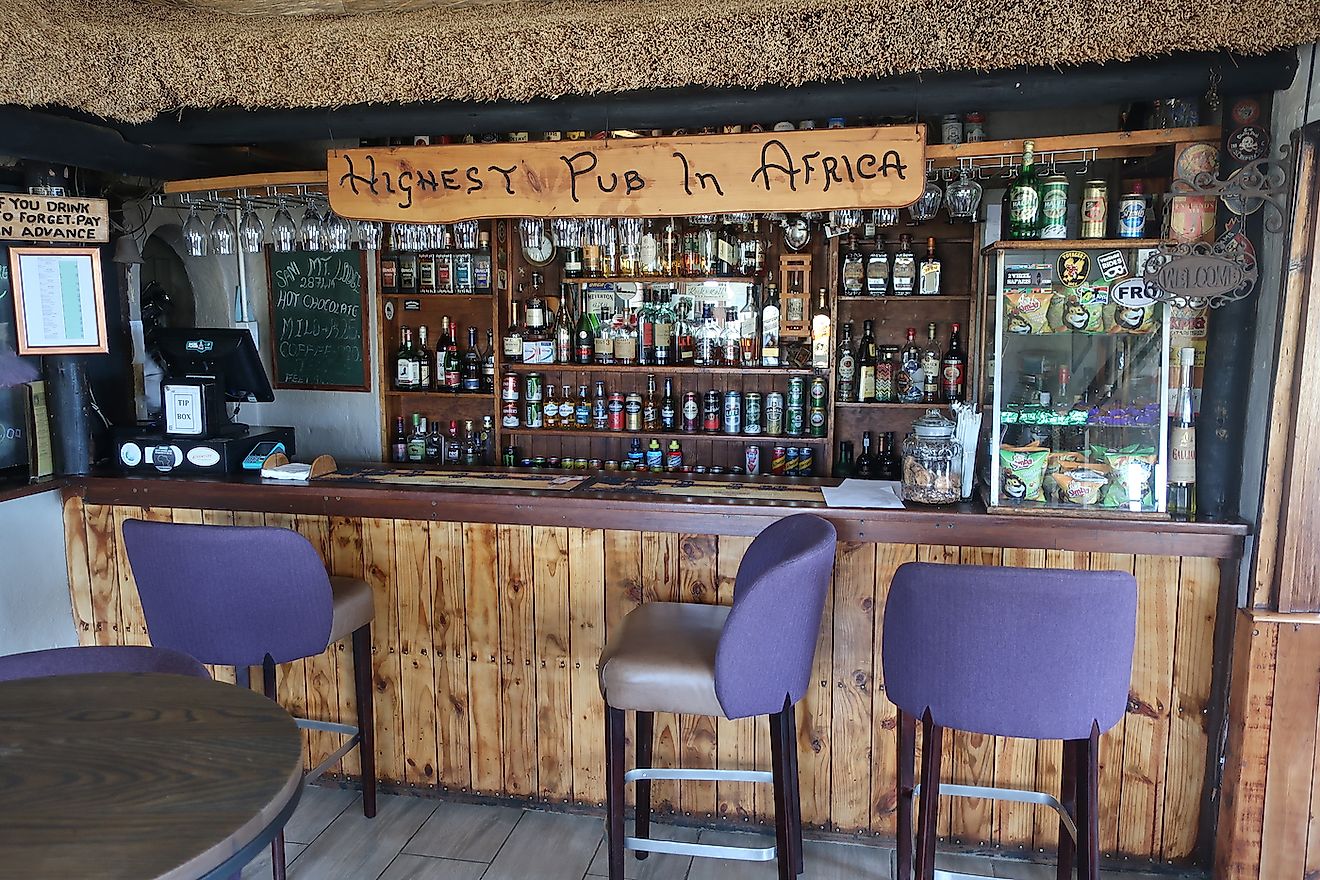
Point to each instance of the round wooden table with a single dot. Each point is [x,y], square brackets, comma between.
[141,776]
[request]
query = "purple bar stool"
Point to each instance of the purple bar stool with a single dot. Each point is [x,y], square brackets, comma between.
[748,660]
[101,658]
[1022,652]
[254,596]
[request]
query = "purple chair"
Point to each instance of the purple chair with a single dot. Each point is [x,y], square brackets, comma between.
[246,596]
[105,658]
[1021,652]
[751,659]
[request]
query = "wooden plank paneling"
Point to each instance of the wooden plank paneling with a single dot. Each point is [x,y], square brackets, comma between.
[698,559]
[482,591]
[554,712]
[346,560]
[80,575]
[586,609]
[736,741]
[814,715]
[852,663]
[412,567]
[660,584]
[623,593]
[1111,741]
[132,621]
[379,554]
[291,678]
[517,655]
[103,567]
[945,555]
[450,655]
[972,819]
[884,720]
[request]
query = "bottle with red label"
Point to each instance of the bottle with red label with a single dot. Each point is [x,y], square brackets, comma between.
[953,370]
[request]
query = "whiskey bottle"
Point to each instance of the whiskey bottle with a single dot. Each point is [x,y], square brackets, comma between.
[770,328]
[930,367]
[905,268]
[930,271]
[405,379]
[820,334]
[573,262]
[866,364]
[877,269]
[417,439]
[854,270]
[845,367]
[685,337]
[472,363]
[953,370]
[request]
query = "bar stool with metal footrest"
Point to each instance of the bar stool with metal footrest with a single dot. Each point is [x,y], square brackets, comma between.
[1030,653]
[748,660]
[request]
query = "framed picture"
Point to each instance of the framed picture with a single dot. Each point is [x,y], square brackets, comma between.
[58,302]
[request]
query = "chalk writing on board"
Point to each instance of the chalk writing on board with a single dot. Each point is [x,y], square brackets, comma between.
[316,315]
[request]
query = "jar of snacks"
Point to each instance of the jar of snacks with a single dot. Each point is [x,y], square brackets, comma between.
[932,461]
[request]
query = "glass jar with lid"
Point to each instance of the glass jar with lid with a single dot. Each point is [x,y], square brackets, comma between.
[932,461]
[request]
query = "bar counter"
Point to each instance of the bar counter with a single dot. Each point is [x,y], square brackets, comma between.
[493,606]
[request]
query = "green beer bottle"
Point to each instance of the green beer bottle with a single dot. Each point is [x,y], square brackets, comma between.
[1024,199]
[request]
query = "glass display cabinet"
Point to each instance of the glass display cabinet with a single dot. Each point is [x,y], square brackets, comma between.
[1078,361]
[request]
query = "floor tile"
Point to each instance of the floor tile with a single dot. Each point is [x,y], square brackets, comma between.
[548,846]
[471,832]
[728,869]
[259,868]
[656,866]
[317,808]
[357,848]
[410,867]
[1015,870]
[846,861]
[977,866]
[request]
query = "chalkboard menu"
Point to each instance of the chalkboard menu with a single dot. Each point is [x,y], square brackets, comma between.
[317,321]
[13,406]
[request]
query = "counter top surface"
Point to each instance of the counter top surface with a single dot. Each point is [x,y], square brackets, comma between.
[705,508]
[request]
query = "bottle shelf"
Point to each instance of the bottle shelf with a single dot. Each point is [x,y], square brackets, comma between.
[1059,244]
[637,368]
[885,405]
[439,296]
[663,435]
[442,395]
[871,300]
[662,279]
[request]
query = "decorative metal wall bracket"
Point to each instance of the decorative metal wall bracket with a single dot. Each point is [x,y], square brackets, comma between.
[1249,188]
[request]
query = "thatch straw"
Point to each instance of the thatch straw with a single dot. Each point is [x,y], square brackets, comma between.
[131,59]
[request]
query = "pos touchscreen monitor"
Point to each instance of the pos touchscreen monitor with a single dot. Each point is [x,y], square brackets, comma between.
[205,367]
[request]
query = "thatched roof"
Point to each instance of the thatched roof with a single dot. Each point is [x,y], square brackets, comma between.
[133,59]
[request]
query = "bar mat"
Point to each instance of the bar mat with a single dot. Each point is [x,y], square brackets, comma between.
[653,485]
[453,479]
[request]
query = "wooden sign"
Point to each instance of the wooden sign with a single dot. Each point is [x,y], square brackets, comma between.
[317,321]
[635,177]
[53,219]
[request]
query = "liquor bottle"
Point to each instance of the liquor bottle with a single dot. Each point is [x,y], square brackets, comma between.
[563,328]
[907,380]
[453,448]
[584,340]
[866,363]
[399,442]
[877,269]
[582,411]
[646,328]
[795,313]
[600,408]
[417,439]
[405,379]
[435,445]
[538,345]
[886,372]
[513,338]
[1023,220]
[572,261]
[930,367]
[865,466]
[488,364]
[748,355]
[471,367]
[453,366]
[481,264]
[930,270]
[888,464]
[953,371]
[685,336]
[550,410]
[487,439]
[664,331]
[820,334]
[731,338]
[770,328]
[423,358]
[567,409]
[1182,445]
[625,338]
[905,268]
[854,270]
[650,406]
[591,265]
[603,332]
[648,250]
[845,366]
[709,349]
[843,462]
[471,444]
[668,408]
[728,250]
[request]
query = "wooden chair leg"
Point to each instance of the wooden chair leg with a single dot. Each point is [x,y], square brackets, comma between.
[614,800]
[645,731]
[907,758]
[794,794]
[366,715]
[1068,797]
[1088,805]
[279,866]
[779,742]
[932,746]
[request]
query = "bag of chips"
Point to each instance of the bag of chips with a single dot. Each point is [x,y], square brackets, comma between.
[1130,319]
[1081,310]
[1027,311]
[1132,477]
[1056,462]
[1084,484]
[1022,472]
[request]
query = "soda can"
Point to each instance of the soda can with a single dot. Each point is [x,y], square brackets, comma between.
[791,461]
[752,459]
[710,417]
[1054,207]
[511,456]
[553,461]
[794,419]
[579,464]
[509,415]
[1132,216]
[509,387]
[632,412]
[533,386]
[774,413]
[615,418]
[806,461]
[532,414]
[778,460]
[732,412]
[1095,209]
[691,413]
[752,413]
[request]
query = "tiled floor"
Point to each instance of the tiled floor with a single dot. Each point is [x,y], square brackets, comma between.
[423,839]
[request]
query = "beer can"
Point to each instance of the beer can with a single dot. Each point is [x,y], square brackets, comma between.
[594,464]
[1095,209]
[540,461]
[532,414]
[778,460]
[533,387]
[615,418]
[509,414]
[806,461]
[752,413]
[732,412]
[791,461]
[752,459]
[816,421]
[612,465]
[553,461]
[579,464]
[509,387]
[632,412]
[797,387]
[1132,216]
[710,416]
[1054,207]
[774,413]
[794,419]
[691,413]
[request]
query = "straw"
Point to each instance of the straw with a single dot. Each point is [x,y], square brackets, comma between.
[967,431]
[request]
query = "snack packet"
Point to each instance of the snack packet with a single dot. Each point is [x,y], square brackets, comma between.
[1081,486]
[1132,476]
[1027,311]
[1079,311]
[1130,319]
[1023,472]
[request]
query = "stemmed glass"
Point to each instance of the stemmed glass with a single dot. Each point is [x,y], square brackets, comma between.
[251,231]
[370,234]
[465,234]
[283,232]
[532,232]
[567,231]
[195,234]
[311,232]
[222,233]
[928,204]
[335,232]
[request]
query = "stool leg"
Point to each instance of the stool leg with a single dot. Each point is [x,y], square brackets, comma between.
[794,794]
[783,846]
[362,685]
[614,800]
[277,857]
[907,758]
[645,728]
[932,747]
[1088,805]
[1068,797]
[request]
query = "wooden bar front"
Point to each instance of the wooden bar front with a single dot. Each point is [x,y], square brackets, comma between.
[490,618]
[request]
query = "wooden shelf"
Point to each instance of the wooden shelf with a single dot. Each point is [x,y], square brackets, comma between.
[1107,145]
[442,395]
[1067,244]
[661,279]
[880,405]
[634,368]
[429,297]
[848,300]
[664,435]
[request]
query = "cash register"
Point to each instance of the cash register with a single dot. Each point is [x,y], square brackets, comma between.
[206,370]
